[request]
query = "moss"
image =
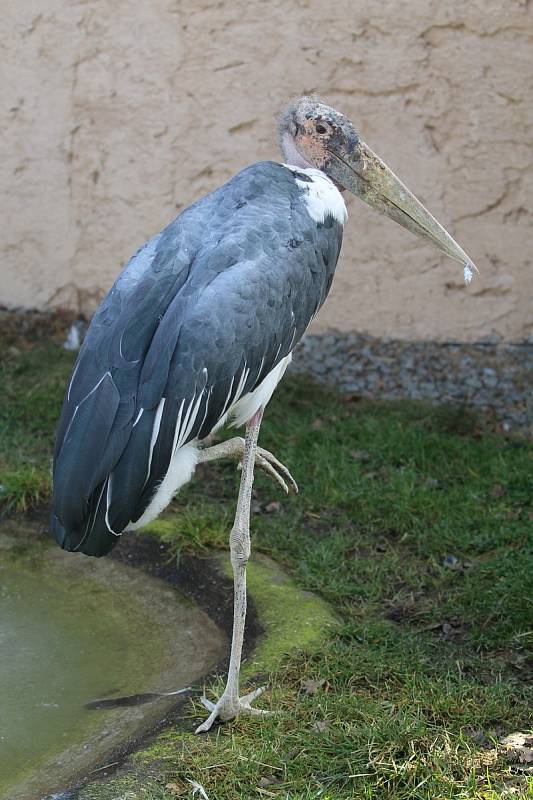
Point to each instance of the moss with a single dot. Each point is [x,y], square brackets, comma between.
[293,619]
[127,787]
[162,527]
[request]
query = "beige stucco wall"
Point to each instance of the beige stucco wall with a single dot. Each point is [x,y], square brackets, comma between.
[116,115]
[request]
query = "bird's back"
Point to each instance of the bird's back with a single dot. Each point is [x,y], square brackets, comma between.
[207,307]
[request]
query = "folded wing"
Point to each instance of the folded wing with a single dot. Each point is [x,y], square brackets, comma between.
[197,319]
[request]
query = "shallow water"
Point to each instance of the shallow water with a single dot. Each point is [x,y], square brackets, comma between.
[72,630]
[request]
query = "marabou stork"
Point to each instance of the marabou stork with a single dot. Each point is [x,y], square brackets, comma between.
[197,331]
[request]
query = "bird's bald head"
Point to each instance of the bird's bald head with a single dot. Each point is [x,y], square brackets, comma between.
[309,128]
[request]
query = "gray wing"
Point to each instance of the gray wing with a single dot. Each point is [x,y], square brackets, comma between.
[200,315]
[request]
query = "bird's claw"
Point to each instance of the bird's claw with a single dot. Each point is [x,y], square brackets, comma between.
[265,460]
[268,462]
[228,708]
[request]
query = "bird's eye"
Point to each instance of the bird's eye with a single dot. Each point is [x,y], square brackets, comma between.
[321,128]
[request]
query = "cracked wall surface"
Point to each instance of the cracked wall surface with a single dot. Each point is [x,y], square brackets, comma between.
[116,116]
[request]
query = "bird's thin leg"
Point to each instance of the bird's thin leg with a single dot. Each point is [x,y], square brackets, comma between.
[234,448]
[230,704]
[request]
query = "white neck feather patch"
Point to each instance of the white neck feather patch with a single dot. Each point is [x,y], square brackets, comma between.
[322,198]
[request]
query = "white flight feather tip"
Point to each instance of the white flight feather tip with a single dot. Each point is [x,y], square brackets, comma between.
[198,788]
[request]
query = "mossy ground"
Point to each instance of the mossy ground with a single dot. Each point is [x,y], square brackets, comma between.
[416,527]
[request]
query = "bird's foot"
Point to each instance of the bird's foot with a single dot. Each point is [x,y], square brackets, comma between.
[234,448]
[269,463]
[230,707]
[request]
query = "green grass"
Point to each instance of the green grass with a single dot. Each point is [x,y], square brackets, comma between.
[428,666]
[32,383]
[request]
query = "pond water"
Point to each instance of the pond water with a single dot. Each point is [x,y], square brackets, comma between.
[74,630]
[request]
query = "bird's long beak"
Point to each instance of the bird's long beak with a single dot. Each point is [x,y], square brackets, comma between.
[356,167]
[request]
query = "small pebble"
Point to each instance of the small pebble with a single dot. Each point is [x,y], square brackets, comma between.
[360,455]
[452,562]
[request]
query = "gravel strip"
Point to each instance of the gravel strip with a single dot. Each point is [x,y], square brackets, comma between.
[490,376]
[494,377]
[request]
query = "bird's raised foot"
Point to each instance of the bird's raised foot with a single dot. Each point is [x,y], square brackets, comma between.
[234,448]
[228,708]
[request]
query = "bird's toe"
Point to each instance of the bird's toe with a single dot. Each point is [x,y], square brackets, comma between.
[227,708]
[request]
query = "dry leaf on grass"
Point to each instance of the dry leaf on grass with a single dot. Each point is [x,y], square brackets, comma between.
[267,780]
[360,455]
[486,758]
[311,686]
[292,754]
[518,747]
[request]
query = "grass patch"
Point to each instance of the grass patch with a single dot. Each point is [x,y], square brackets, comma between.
[416,527]
[33,381]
